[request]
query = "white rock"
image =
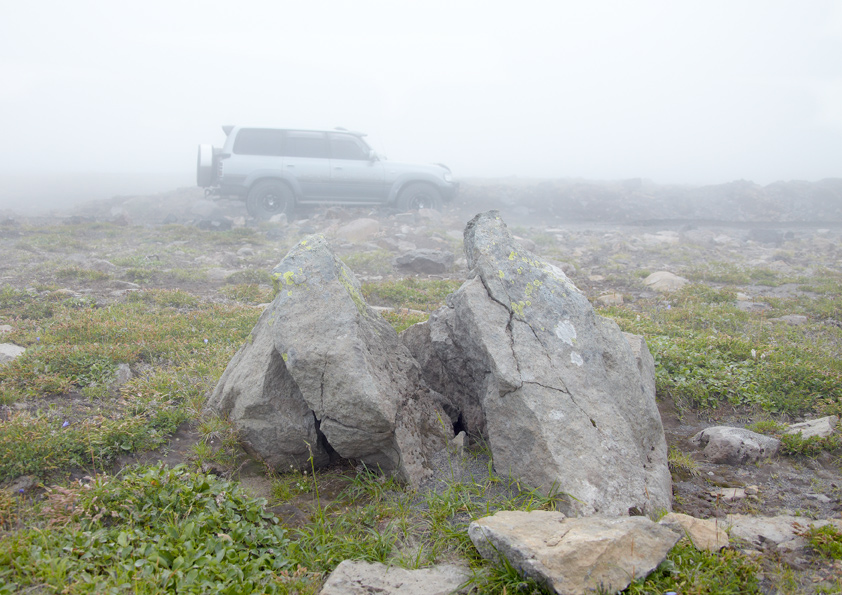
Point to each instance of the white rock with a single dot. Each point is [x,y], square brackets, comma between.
[781,531]
[822,427]
[577,555]
[356,577]
[10,351]
[665,282]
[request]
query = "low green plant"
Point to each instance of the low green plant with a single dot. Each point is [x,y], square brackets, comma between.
[403,319]
[412,293]
[826,541]
[693,572]
[794,444]
[24,304]
[247,293]
[681,463]
[156,529]
[250,277]
[767,426]
[79,274]
[373,262]
[174,298]
[291,484]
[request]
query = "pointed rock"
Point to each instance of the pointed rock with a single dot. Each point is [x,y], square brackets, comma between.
[323,373]
[566,404]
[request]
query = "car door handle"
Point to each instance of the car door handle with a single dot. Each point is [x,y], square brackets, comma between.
[290,166]
[337,167]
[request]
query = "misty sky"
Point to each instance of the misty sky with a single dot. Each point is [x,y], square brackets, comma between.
[688,92]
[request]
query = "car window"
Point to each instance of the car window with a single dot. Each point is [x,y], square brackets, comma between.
[306,144]
[259,141]
[345,146]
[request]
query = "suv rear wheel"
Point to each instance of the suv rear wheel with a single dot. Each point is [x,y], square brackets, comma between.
[269,198]
[419,195]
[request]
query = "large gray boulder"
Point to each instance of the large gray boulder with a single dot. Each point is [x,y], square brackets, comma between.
[322,374]
[564,401]
[574,556]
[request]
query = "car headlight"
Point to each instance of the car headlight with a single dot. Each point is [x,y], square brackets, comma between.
[448,177]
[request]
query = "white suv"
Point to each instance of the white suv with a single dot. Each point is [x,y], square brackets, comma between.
[276,169]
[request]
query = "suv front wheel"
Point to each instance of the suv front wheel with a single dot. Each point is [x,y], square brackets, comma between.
[269,198]
[419,195]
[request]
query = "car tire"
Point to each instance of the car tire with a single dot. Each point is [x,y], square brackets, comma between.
[205,166]
[269,198]
[419,195]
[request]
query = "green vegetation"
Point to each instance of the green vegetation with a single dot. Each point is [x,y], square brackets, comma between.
[372,262]
[415,294]
[151,530]
[708,352]
[247,293]
[681,464]
[826,540]
[184,346]
[693,572]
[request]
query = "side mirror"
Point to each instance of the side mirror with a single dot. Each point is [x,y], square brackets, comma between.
[372,155]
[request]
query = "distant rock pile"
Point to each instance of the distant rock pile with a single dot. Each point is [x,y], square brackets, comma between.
[517,356]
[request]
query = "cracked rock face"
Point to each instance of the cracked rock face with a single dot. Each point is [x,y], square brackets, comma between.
[565,402]
[322,373]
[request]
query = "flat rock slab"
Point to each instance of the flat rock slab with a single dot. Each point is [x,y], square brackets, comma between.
[821,428]
[355,577]
[574,556]
[782,532]
[735,446]
[705,534]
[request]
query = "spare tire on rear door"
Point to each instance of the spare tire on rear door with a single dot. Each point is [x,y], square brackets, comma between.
[269,198]
[205,170]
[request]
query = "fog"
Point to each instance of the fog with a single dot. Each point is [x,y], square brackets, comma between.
[99,94]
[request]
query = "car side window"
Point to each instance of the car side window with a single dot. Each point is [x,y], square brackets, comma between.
[259,141]
[306,144]
[345,146]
